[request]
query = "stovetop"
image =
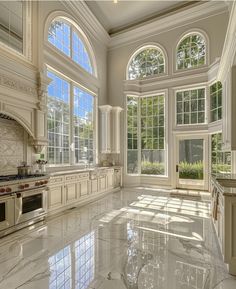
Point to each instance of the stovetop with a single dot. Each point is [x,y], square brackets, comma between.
[9,178]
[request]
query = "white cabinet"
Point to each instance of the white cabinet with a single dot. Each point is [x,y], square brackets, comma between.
[56,197]
[102,183]
[229,108]
[83,187]
[115,129]
[110,178]
[105,128]
[71,192]
[117,177]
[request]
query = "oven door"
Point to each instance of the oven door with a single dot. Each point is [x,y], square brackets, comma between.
[7,212]
[30,204]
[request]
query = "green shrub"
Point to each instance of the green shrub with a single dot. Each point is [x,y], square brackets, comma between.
[149,168]
[191,170]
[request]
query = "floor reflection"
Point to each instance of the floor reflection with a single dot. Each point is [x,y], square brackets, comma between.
[127,240]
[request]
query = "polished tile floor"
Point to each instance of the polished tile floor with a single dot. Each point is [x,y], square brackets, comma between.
[132,239]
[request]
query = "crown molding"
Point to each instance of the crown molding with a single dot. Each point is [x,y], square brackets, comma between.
[229,49]
[82,12]
[190,15]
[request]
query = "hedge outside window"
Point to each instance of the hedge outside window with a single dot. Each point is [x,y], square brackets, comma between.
[64,134]
[216,101]
[148,62]
[146,150]
[65,37]
[220,161]
[191,52]
[190,107]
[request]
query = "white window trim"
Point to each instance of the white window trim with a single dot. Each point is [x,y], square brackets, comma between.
[166,123]
[195,125]
[71,134]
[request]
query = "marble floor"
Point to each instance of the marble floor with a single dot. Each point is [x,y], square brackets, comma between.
[132,239]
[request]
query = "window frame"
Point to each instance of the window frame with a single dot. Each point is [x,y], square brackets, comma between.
[73,84]
[139,149]
[76,28]
[139,50]
[218,107]
[190,125]
[204,35]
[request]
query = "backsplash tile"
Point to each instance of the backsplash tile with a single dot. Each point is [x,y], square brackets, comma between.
[11,146]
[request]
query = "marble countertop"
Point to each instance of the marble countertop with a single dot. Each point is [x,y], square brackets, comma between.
[74,171]
[226,184]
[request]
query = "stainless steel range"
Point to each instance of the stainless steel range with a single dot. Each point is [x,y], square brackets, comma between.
[23,201]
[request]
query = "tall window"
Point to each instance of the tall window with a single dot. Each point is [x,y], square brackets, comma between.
[71,141]
[146,135]
[150,61]
[220,161]
[66,38]
[190,106]
[216,101]
[191,52]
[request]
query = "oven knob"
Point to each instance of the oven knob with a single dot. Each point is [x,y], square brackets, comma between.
[21,187]
[37,184]
[8,190]
[2,190]
[26,185]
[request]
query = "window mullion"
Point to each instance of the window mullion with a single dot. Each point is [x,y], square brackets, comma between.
[139,135]
[71,129]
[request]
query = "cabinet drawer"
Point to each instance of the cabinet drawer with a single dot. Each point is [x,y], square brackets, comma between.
[56,180]
[70,178]
[83,176]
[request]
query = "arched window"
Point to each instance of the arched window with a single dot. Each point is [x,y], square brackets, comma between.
[147,61]
[191,52]
[69,40]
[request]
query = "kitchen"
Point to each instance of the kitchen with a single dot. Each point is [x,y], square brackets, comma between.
[108,152]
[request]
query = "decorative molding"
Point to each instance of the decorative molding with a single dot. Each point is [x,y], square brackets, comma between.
[185,17]
[229,49]
[82,12]
[17,85]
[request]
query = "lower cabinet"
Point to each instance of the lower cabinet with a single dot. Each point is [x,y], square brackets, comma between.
[64,190]
[94,186]
[71,192]
[55,197]
[83,187]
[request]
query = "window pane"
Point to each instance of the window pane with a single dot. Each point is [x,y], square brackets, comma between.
[191,52]
[58,120]
[190,106]
[150,61]
[220,161]
[83,126]
[60,34]
[216,101]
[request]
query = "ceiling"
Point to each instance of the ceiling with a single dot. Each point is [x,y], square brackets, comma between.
[125,14]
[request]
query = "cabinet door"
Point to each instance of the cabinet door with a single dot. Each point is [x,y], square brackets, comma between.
[102,183]
[110,180]
[117,179]
[83,187]
[94,186]
[55,197]
[71,192]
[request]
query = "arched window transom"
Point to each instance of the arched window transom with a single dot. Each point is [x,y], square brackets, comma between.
[147,62]
[191,52]
[66,38]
